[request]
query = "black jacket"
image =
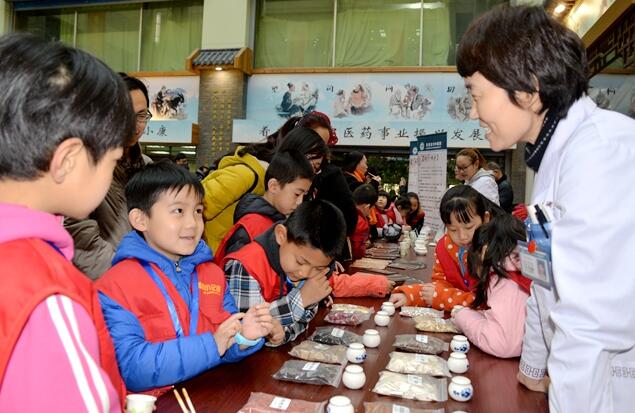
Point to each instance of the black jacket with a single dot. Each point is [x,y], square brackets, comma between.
[505,194]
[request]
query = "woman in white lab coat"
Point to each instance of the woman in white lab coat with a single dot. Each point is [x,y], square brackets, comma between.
[528,78]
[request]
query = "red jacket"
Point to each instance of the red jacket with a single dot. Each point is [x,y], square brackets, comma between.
[254,259]
[48,274]
[254,224]
[360,236]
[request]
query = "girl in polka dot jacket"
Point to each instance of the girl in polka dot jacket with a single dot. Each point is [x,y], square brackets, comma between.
[495,322]
[462,210]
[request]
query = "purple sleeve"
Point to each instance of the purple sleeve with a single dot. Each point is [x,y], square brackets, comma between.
[54,366]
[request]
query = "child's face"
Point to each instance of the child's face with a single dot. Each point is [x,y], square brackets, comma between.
[286,198]
[381,203]
[414,204]
[461,233]
[365,209]
[175,224]
[300,261]
[403,212]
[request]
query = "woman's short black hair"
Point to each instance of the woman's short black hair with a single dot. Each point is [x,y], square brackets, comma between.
[523,49]
[135,84]
[351,160]
[306,141]
[318,224]
[52,92]
[146,186]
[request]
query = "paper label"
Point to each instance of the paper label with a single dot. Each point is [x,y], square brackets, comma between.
[400,409]
[311,366]
[414,379]
[280,403]
[337,332]
[422,358]
[422,338]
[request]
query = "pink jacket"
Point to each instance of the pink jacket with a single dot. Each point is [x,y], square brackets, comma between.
[54,366]
[498,330]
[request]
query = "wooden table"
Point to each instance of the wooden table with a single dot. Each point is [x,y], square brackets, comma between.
[226,388]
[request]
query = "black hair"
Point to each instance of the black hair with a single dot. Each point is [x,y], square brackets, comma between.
[499,237]
[523,49]
[306,141]
[135,84]
[402,202]
[318,224]
[415,196]
[287,166]
[52,92]
[146,186]
[466,202]
[351,160]
[180,156]
[493,166]
[384,194]
[365,194]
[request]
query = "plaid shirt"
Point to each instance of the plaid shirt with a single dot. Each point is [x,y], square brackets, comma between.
[289,310]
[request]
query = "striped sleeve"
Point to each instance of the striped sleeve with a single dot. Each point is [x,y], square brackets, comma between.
[54,366]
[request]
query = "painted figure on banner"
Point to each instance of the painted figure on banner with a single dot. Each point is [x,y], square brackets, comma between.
[169,104]
[459,107]
[298,103]
[408,103]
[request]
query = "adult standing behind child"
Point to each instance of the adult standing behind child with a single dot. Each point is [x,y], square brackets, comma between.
[65,120]
[97,237]
[165,302]
[470,168]
[528,77]
[505,190]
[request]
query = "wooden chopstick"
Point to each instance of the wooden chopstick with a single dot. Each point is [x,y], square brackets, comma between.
[189,402]
[180,400]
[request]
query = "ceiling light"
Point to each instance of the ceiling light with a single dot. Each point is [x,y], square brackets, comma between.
[218,68]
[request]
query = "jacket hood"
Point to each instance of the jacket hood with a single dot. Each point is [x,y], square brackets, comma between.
[252,203]
[479,174]
[135,246]
[246,159]
[19,222]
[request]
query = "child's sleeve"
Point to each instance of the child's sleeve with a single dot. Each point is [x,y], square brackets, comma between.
[499,329]
[412,293]
[446,296]
[145,365]
[56,357]
[533,360]
[359,285]
[234,353]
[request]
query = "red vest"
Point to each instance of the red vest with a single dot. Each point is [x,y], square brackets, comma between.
[254,259]
[451,267]
[31,271]
[254,224]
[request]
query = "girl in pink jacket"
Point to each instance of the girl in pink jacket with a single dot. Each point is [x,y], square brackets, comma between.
[496,320]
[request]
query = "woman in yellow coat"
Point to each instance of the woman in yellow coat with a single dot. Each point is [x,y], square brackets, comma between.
[237,174]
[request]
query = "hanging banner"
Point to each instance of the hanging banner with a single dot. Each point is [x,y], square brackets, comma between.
[430,183]
[369,109]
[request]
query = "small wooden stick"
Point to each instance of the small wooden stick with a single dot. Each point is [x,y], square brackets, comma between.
[180,400]
[189,402]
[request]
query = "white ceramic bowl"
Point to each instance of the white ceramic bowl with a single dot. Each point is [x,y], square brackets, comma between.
[460,389]
[371,338]
[382,318]
[354,377]
[356,353]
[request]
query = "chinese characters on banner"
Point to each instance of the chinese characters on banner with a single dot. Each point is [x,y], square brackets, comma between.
[431,155]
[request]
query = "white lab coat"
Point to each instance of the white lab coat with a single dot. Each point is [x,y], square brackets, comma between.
[583,331]
[483,181]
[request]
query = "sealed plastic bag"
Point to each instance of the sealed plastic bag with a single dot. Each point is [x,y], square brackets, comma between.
[310,372]
[418,364]
[352,308]
[346,317]
[409,311]
[408,386]
[435,324]
[312,351]
[385,407]
[333,336]
[420,343]
[268,403]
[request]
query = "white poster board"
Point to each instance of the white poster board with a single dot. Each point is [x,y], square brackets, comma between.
[432,157]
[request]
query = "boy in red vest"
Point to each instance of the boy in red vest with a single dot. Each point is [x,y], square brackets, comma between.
[166,304]
[287,266]
[288,178]
[64,119]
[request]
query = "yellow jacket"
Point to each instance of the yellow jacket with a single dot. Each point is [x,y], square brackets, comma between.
[236,175]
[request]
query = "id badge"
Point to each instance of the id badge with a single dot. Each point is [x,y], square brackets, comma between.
[535,265]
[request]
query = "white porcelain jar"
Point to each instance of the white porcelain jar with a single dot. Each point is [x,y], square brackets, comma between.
[356,353]
[458,363]
[459,344]
[388,307]
[460,389]
[340,404]
[371,338]
[354,377]
[382,318]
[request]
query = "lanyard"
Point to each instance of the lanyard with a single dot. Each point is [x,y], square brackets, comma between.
[462,266]
[171,308]
[290,284]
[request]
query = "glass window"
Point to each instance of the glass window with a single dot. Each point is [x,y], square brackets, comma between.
[51,24]
[170,32]
[377,33]
[293,33]
[111,34]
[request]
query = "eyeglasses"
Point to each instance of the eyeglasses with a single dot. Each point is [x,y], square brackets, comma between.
[463,168]
[143,117]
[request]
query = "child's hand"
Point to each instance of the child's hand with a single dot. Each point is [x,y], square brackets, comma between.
[257,322]
[455,310]
[315,289]
[224,336]
[399,299]
[427,293]
[276,336]
[541,385]
[391,284]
